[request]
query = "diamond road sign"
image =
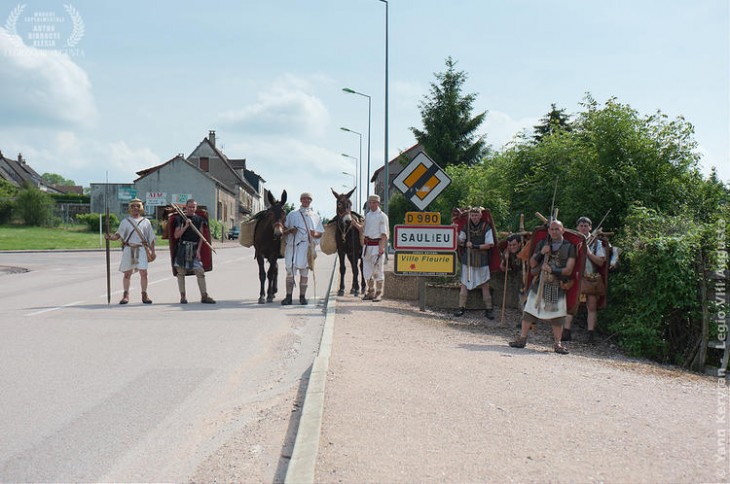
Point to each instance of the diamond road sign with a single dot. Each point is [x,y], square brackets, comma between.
[422,181]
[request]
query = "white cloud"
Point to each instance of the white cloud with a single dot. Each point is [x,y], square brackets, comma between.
[42,87]
[286,106]
[297,166]
[501,127]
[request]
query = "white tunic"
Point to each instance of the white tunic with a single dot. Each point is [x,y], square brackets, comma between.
[134,256]
[376,225]
[473,277]
[297,243]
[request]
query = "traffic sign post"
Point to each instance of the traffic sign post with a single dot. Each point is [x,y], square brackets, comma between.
[422,180]
[423,246]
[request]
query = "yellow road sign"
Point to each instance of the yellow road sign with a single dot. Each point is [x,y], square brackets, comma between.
[423,218]
[425,263]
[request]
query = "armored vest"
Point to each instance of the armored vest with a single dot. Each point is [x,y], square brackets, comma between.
[476,234]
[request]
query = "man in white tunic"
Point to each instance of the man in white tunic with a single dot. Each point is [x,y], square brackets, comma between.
[136,232]
[595,258]
[303,229]
[475,241]
[376,231]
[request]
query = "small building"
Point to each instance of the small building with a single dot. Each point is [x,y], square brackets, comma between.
[19,172]
[395,166]
[225,187]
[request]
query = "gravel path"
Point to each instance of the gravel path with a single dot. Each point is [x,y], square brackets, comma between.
[417,396]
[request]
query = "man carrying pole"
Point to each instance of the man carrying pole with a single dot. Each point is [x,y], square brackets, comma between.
[138,248]
[476,239]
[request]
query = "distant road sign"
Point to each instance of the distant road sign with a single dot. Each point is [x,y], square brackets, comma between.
[425,237]
[156,199]
[421,181]
[423,218]
[425,264]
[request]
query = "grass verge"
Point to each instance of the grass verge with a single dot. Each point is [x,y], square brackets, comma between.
[17,237]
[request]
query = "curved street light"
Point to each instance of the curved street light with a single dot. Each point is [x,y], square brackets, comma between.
[352,91]
[344,155]
[358,168]
[349,174]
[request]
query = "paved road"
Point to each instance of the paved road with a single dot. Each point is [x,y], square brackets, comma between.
[92,392]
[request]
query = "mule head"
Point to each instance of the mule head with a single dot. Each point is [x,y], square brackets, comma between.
[277,212]
[278,215]
[344,205]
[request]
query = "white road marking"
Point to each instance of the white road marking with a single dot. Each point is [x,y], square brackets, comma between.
[48,310]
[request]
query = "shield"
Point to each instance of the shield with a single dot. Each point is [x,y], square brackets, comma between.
[578,240]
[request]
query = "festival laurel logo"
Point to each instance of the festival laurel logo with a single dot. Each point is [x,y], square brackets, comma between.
[46,30]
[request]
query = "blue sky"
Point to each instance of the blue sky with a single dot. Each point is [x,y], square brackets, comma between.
[147,80]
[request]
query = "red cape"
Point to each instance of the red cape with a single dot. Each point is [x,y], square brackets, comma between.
[494,257]
[578,240]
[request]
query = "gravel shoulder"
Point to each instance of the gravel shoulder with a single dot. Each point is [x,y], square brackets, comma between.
[416,396]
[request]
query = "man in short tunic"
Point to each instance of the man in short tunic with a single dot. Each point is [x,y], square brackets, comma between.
[134,255]
[188,251]
[475,241]
[552,262]
[376,230]
[595,258]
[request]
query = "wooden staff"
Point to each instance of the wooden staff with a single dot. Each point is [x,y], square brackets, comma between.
[108,262]
[185,218]
[504,291]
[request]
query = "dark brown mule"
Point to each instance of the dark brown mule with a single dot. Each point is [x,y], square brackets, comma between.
[267,243]
[348,243]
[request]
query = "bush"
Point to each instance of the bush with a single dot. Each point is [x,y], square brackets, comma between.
[34,207]
[216,229]
[655,306]
[6,210]
[92,221]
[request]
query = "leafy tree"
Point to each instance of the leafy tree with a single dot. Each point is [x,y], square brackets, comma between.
[551,123]
[54,179]
[34,206]
[449,133]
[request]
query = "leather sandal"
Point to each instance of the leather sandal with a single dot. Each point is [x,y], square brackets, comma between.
[145,299]
[125,298]
[520,342]
[560,349]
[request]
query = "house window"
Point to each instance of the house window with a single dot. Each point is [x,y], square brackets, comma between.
[204,164]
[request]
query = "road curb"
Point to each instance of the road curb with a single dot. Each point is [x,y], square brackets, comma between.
[304,456]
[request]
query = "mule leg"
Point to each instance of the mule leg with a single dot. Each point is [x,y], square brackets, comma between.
[273,269]
[341,291]
[355,291]
[262,279]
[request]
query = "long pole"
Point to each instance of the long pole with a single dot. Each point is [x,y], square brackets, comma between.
[368,173]
[359,178]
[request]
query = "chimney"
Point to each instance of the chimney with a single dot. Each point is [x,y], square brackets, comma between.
[20,159]
[211,137]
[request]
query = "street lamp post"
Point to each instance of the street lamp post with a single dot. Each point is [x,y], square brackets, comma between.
[351,91]
[386,169]
[359,169]
[349,174]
